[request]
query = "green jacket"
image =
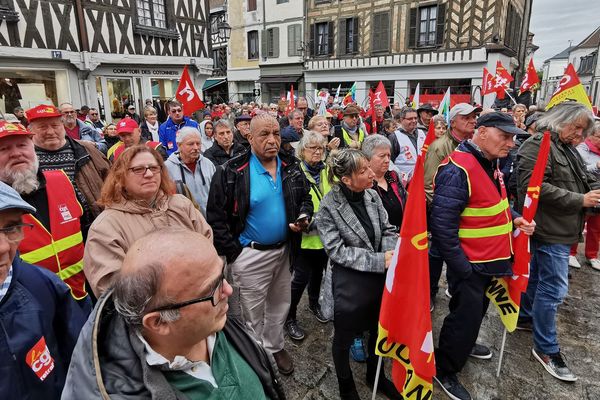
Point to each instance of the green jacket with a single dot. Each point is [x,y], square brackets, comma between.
[560,213]
[438,151]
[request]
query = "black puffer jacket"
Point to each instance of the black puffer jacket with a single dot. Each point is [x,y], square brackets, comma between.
[109,361]
[229,202]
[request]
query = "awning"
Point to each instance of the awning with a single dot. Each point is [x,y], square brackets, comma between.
[280,79]
[211,83]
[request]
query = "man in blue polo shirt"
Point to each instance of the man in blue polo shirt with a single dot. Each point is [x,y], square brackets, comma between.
[167,131]
[258,205]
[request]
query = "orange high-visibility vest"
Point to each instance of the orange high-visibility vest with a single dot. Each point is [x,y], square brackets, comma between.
[62,250]
[119,148]
[485,228]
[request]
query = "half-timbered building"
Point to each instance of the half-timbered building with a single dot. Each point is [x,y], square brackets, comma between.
[437,43]
[104,53]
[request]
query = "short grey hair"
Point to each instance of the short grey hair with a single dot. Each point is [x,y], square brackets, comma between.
[296,112]
[519,105]
[344,162]
[135,294]
[184,132]
[563,114]
[224,123]
[404,112]
[308,138]
[373,142]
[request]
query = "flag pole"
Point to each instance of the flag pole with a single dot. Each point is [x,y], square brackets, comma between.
[379,361]
[512,98]
[501,353]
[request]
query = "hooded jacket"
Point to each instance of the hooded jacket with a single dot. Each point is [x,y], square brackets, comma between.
[207,142]
[109,361]
[37,313]
[198,182]
[121,224]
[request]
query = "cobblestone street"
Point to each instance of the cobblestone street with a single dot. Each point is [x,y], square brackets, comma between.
[522,377]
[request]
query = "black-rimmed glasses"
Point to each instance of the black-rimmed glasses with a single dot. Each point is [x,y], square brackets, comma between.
[215,296]
[141,170]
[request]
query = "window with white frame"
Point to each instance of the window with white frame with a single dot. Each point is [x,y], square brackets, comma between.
[152,13]
[427,26]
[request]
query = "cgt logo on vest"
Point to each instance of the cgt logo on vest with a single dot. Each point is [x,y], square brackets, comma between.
[40,360]
[65,213]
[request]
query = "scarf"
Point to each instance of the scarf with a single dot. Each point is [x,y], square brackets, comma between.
[593,148]
[315,171]
[352,131]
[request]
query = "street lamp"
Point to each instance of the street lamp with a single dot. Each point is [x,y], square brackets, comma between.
[224,31]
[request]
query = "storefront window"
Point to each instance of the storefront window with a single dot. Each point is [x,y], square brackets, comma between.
[164,89]
[27,89]
[100,98]
[119,94]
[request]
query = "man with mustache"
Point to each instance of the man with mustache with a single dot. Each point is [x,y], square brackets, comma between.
[258,205]
[77,129]
[163,332]
[56,240]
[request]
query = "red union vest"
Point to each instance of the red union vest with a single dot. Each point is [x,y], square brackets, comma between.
[485,228]
[62,250]
[119,148]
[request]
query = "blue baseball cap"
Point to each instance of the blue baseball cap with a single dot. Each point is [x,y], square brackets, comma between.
[10,199]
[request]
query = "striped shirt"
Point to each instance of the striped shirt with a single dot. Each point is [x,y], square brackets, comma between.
[6,284]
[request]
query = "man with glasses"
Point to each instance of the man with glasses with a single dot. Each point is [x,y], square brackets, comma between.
[163,330]
[349,131]
[407,142]
[40,321]
[167,132]
[77,129]
[130,135]
[59,226]
[94,120]
[132,114]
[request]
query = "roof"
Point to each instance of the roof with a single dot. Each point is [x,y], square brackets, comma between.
[562,54]
[592,41]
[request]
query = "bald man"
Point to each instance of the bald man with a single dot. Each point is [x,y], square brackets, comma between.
[163,330]
[258,205]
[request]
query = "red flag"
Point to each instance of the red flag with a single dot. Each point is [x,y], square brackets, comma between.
[505,293]
[381,95]
[291,103]
[187,95]
[429,138]
[531,78]
[488,82]
[404,320]
[372,111]
[569,88]
[501,80]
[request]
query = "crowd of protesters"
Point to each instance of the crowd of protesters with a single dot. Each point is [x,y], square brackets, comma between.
[189,241]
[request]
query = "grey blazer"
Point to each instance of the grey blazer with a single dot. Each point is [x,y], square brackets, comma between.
[345,240]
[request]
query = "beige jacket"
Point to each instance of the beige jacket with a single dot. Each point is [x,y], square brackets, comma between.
[438,151]
[120,225]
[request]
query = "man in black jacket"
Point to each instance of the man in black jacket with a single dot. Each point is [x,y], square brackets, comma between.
[163,331]
[259,202]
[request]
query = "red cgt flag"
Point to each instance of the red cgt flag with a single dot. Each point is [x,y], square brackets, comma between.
[501,80]
[505,293]
[404,320]
[381,96]
[291,102]
[488,82]
[569,88]
[531,78]
[187,95]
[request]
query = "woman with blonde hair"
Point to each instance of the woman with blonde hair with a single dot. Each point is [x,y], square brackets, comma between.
[138,197]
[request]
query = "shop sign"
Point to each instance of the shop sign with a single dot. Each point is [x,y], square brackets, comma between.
[140,71]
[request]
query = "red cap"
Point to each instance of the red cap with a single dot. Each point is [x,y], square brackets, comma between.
[42,111]
[126,125]
[12,129]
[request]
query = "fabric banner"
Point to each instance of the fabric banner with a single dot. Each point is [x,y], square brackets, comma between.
[187,95]
[530,79]
[505,292]
[405,332]
[569,88]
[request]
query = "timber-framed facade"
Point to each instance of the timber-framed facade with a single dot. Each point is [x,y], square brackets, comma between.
[101,53]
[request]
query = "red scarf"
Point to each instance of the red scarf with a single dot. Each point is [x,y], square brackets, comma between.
[593,148]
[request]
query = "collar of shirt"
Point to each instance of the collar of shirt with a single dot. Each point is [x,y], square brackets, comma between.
[260,169]
[6,284]
[197,369]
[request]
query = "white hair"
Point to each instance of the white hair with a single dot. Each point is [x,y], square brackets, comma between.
[185,132]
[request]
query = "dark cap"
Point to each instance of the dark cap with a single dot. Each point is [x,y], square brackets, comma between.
[532,119]
[351,110]
[501,121]
[242,118]
[427,107]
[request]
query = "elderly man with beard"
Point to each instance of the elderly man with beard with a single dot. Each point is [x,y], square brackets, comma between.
[79,130]
[258,205]
[188,166]
[55,241]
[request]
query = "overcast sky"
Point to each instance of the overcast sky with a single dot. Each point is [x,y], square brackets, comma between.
[555,22]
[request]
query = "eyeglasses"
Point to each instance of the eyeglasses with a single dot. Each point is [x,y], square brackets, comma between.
[141,170]
[351,116]
[93,114]
[15,233]
[175,110]
[215,296]
[315,148]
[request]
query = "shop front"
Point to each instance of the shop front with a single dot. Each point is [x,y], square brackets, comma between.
[117,87]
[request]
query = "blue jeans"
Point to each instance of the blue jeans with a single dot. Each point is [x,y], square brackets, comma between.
[548,286]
